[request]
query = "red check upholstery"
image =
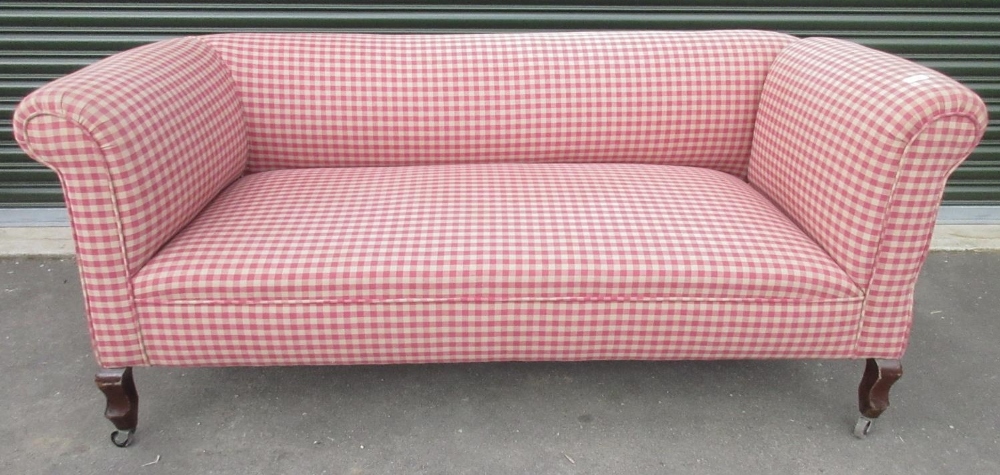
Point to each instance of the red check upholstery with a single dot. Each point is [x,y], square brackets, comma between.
[252,199]
[591,236]
[372,100]
[141,142]
[856,145]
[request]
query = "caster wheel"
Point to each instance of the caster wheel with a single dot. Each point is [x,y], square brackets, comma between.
[862,427]
[122,438]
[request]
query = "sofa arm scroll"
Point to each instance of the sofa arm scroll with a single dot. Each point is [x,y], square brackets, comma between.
[141,142]
[856,145]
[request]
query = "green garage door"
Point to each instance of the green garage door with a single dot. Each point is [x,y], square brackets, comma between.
[41,41]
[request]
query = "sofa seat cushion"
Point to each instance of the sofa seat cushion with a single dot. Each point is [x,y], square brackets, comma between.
[489,233]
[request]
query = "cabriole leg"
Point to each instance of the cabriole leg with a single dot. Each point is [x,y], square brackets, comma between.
[873,393]
[123,402]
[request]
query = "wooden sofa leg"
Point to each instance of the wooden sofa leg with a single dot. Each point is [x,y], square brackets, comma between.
[123,402]
[873,393]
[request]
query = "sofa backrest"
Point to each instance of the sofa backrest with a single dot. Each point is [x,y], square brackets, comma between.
[324,100]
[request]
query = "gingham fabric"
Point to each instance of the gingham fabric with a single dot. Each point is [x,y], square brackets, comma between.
[428,332]
[367,100]
[141,142]
[855,145]
[934,153]
[432,251]
[484,248]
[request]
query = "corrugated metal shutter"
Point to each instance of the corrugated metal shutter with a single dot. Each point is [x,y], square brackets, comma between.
[41,41]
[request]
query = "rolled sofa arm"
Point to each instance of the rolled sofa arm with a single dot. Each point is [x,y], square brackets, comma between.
[141,142]
[856,145]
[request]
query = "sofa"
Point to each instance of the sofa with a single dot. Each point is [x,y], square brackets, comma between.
[353,199]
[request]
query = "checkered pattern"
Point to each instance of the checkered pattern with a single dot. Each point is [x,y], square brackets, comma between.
[141,142]
[933,154]
[367,100]
[428,332]
[855,145]
[433,250]
[490,250]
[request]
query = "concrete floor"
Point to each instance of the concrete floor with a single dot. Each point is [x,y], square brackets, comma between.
[585,418]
